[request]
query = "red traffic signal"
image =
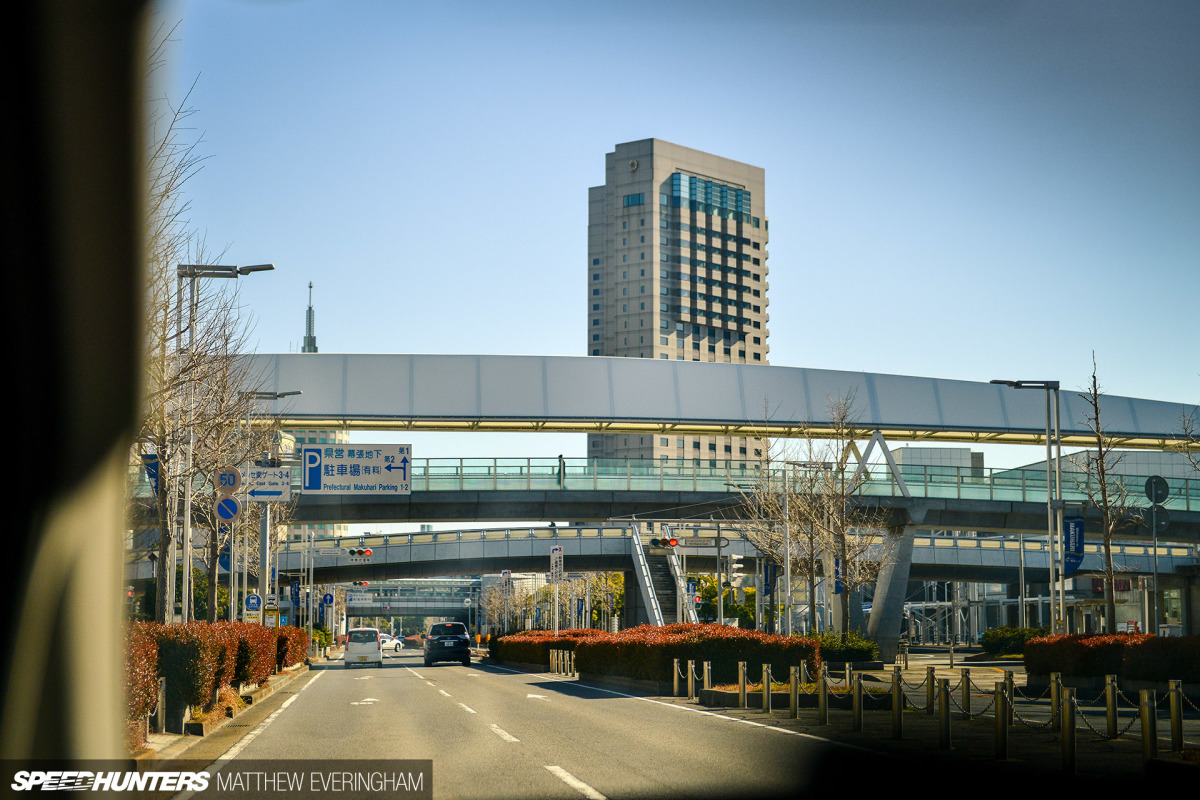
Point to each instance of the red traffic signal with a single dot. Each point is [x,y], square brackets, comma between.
[359,551]
[664,542]
[360,583]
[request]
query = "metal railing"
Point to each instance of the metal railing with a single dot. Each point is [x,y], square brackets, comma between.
[962,483]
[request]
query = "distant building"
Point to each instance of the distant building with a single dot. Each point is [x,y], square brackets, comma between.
[316,436]
[677,270]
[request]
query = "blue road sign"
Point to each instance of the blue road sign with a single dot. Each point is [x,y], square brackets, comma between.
[1072,545]
[253,602]
[327,599]
[228,508]
[150,461]
[367,469]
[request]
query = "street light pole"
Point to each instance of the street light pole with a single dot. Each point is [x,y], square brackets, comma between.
[193,273]
[265,527]
[1053,509]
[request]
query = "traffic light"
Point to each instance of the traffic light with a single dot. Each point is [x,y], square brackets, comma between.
[666,541]
[359,551]
[735,564]
[360,583]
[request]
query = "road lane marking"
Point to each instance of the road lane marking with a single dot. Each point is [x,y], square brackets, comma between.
[444,692]
[503,734]
[575,783]
[467,708]
[414,672]
[240,745]
[714,715]
[430,683]
[537,696]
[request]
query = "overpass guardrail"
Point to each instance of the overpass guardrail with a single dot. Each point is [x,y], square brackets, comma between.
[582,474]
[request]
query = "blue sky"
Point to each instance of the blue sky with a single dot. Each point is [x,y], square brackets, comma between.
[955,189]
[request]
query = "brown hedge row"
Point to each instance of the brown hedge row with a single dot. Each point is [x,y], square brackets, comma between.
[292,646]
[1135,656]
[199,658]
[648,651]
[141,678]
[533,647]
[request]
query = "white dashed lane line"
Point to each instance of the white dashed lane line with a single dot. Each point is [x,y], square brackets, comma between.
[503,734]
[575,783]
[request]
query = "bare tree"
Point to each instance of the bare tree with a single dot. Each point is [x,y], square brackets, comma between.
[818,486]
[1190,444]
[1106,491]
[193,375]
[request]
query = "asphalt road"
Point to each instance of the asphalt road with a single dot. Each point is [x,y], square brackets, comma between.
[492,732]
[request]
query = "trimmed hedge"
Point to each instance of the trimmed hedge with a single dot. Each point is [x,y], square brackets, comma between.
[648,651]
[189,657]
[1139,656]
[1006,640]
[533,647]
[141,678]
[291,646]
[854,647]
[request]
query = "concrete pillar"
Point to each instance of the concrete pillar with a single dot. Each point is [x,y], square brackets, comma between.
[887,609]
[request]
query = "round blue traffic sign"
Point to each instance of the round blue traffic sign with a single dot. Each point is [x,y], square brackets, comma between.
[253,602]
[327,599]
[228,508]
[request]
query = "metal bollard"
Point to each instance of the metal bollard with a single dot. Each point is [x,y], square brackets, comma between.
[1176,696]
[160,711]
[707,675]
[966,692]
[904,650]
[553,662]
[675,679]
[1068,731]
[930,689]
[1149,725]
[1055,700]
[766,698]
[1012,696]
[822,697]
[944,713]
[849,674]
[691,679]
[794,693]
[1110,704]
[856,704]
[897,704]
[804,672]
[741,684]
[1001,749]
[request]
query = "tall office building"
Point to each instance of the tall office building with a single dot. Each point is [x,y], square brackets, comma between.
[677,269]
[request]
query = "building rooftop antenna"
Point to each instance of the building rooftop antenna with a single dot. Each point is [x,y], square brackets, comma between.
[310,325]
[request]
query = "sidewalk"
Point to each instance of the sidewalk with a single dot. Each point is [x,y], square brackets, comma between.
[167,746]
[1034,751]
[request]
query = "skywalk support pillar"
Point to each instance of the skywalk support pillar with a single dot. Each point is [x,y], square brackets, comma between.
[887,609]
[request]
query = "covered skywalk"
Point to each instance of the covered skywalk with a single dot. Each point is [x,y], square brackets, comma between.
[610,395]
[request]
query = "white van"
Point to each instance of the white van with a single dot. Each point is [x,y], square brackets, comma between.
[363,647]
